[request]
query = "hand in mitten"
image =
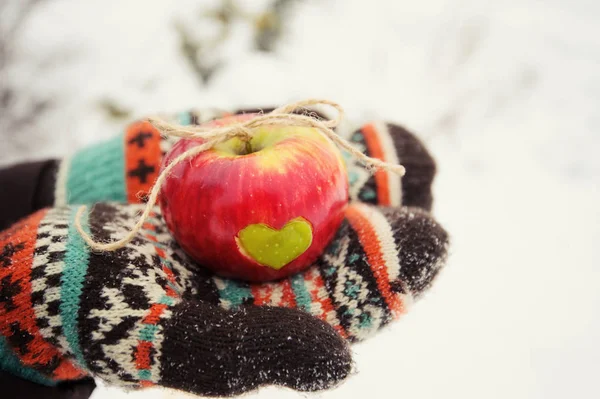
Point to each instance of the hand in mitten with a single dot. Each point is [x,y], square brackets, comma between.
[127,165]
[385,191]
[145,314]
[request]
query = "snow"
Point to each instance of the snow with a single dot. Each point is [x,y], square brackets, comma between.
[505,94]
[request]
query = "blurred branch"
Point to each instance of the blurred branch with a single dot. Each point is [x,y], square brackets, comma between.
[113,109]
[10,24]
[267,27]
[193,52]
[13,15]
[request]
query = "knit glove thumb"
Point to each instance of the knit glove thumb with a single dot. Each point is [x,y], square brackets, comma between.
[146,315]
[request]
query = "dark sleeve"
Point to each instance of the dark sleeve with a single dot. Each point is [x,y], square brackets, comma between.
[16,388]
[26,188]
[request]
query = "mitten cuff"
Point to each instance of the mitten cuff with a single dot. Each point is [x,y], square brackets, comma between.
[26,187]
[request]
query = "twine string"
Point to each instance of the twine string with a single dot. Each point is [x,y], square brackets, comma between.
[211,136]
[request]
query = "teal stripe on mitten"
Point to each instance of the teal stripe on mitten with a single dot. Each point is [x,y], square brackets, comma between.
[94,173]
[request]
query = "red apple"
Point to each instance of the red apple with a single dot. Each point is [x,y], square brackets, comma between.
[257,211]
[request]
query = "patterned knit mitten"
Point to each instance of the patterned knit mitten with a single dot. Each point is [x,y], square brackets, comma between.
[146,315]
[120,168]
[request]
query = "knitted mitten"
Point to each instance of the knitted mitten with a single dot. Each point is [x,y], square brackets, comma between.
[145,314]
[121,168]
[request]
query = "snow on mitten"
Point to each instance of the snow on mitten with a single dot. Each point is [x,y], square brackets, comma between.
[146,315]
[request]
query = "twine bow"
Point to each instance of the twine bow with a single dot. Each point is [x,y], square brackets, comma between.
[282,116]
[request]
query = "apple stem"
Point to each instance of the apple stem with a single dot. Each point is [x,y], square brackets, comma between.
[248,147]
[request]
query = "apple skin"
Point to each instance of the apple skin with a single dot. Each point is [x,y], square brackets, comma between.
[293,172]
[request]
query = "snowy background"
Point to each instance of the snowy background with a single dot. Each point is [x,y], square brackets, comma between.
[505,94]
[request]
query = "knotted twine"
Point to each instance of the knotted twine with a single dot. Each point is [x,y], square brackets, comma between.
[211,136]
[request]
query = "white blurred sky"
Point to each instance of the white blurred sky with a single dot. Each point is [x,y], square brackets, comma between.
[505,94]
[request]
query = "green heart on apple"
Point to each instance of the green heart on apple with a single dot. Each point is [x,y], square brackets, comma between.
[275,248]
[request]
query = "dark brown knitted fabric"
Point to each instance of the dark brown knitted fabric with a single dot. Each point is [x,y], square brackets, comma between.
[423,236]
[237,351]
[420,168]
